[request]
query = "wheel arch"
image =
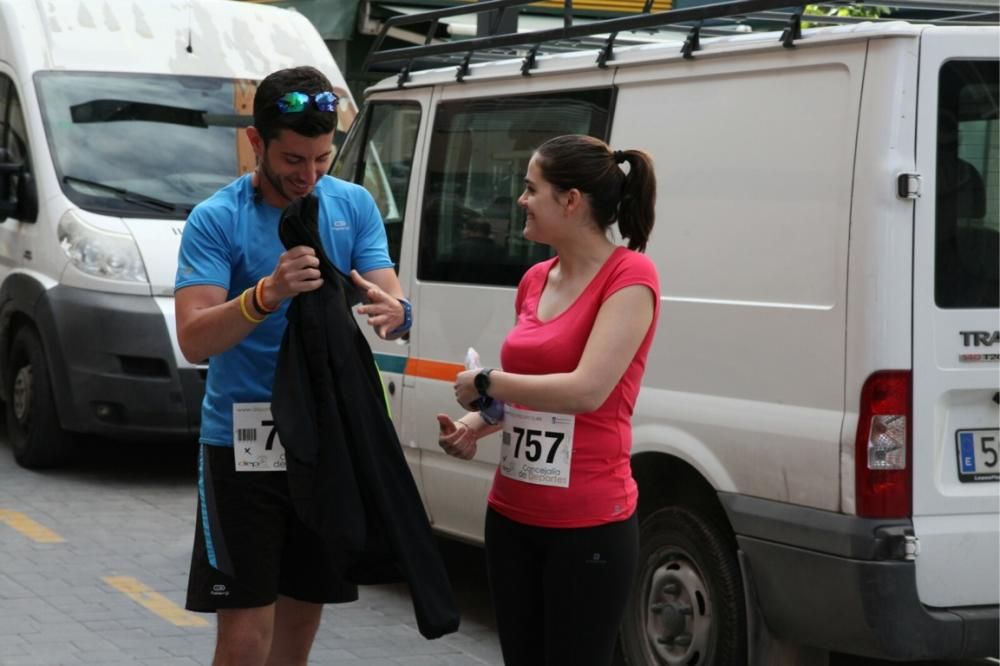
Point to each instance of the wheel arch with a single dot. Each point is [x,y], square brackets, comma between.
[665,480]
[19,296]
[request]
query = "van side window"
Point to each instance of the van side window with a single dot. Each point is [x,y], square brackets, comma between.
[5,91]
[471,226]
[13,137]
[968,186]
[16,139]
[378,154]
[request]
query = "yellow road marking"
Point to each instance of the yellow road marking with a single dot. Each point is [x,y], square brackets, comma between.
[28,527]
[155,602]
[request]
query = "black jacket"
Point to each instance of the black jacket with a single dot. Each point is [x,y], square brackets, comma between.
[347,475]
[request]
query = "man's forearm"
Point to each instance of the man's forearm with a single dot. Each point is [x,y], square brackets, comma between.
[215,329]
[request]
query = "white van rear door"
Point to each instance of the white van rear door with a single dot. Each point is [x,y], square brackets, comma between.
[955,320]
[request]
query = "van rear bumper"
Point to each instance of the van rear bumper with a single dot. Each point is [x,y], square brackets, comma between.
[838,582]
[113,368]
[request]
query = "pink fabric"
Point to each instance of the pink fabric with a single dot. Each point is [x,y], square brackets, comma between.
[601,488]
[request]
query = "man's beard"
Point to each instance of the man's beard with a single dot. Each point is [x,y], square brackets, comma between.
[274,180]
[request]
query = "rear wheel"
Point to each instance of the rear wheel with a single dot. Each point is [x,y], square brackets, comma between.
[687,606]
[32,423]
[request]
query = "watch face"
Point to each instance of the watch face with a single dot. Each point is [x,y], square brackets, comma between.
[482,382]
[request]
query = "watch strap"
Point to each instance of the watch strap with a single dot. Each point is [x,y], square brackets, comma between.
[407,318]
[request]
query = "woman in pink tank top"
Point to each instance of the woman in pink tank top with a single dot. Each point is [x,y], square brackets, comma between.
[561,528]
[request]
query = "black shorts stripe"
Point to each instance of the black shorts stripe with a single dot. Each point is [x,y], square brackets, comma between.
[215,539]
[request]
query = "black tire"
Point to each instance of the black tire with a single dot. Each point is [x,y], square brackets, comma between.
[687,606]
[32,423]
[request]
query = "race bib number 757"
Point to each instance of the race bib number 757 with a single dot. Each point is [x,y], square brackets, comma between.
[537,446]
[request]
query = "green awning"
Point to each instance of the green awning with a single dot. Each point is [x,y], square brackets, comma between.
[333,18]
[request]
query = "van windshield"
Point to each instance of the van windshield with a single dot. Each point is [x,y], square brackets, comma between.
[144,145]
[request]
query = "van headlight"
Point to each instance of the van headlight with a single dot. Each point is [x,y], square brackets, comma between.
[101,253]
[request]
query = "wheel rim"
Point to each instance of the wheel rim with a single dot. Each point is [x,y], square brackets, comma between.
[678,611]
[22,394]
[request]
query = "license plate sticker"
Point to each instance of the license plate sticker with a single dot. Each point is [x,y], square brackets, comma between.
[978,453]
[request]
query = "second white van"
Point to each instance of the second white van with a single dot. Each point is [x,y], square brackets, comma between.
[116,118]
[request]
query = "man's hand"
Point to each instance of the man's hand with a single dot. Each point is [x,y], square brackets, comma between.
[384,312]
[456,438]
[297,272]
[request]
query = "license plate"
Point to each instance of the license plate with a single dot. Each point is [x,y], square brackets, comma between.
[978,451]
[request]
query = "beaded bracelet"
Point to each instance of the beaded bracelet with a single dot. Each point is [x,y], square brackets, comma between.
[258,297]
[243,308]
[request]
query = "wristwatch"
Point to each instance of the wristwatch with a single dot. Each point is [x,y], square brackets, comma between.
[482,384]
[407,317]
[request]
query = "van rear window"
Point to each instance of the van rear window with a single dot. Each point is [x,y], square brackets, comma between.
[471,226]
[967,213]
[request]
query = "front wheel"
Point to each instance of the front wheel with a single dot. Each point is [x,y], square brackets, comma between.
[687,606]
[32,423]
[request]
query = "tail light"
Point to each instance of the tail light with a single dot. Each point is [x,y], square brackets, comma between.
[882,452]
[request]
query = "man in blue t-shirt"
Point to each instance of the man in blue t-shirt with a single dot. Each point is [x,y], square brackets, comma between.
[254,562]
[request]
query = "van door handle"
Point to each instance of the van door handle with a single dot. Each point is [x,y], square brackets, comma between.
[392,388]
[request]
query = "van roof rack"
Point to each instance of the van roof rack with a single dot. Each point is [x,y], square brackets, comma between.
[690,22]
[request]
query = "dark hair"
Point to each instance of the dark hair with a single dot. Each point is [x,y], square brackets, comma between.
[588,164]
[268,118]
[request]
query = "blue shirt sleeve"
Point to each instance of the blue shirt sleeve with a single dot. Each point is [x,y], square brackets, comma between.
[371,248]
[204,256]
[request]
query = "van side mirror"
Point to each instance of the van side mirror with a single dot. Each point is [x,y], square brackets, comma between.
[18,197]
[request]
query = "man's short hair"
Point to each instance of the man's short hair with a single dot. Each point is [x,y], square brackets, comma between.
[311,122]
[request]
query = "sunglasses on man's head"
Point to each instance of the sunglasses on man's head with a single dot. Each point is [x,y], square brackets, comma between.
[294,102]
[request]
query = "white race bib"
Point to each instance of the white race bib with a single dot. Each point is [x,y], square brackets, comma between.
[255,439]
[537,446]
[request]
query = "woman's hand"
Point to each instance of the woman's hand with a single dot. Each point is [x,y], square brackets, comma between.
[465,389]
[456,438]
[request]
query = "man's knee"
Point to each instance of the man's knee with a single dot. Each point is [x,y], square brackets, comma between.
[245,636]
[295,626]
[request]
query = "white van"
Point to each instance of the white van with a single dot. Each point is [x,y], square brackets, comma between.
[116,118]
[816,438]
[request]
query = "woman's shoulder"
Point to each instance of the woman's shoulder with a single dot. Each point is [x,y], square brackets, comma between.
[630,268]
[635,263]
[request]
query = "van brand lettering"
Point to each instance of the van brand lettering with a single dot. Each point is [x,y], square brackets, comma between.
[979,338]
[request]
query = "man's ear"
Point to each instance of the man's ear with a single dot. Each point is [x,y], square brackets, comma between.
[256,141]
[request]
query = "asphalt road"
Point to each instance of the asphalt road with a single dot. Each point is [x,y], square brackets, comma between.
[93,568]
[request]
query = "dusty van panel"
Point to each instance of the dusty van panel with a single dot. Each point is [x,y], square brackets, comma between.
[97,32]
[737,354]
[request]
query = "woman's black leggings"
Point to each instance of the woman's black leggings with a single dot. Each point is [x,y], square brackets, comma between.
[559,594]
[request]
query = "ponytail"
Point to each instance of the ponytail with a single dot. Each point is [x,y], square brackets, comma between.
[637,208]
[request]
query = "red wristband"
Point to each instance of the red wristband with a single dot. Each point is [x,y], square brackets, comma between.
[258,294]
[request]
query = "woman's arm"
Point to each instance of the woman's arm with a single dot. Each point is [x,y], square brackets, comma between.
[619,329]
